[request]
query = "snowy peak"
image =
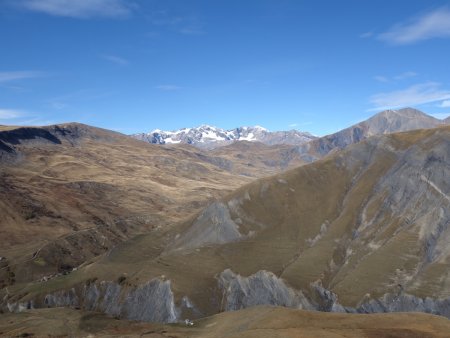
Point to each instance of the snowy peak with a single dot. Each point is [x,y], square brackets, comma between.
[206,136]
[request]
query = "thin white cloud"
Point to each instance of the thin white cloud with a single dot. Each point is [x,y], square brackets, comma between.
[412,96]
[81,8]
[299,125]
[18,75]
[366,35]
[399,77]
[167,87]
[186,25]
[405,75]
[445,104]
[192,30]
[22,118]
[435,24]
[70,99]
[35,122]
[116,59]
[381,78]
[9,114]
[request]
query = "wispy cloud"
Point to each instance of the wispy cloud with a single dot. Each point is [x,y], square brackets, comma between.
[381,78]
[71,99]
[187,25]
[167,87]
[22,118]
[435,24]
[192,30]
[81,9]
[9,114]
[19,75]
[366,35]
[297,125]
[405,75]
[444,104]
[412,96]
[116,59]
[399,77]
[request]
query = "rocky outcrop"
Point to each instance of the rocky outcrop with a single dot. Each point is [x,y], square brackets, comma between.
[265,288]
[155,301]
[150,302]
[406,303]
[261,288]
[213,226]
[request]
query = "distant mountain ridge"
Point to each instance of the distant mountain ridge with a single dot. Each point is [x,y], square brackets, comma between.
[210,137]
[385,122]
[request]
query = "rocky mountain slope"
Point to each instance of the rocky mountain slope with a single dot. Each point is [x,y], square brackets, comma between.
[304,146]
[209,137]
[385,122]
[363,230]
[78,191]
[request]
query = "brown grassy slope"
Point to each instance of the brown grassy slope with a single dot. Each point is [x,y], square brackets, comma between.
[249,155]
[258,322]
[360,222]
[68,192]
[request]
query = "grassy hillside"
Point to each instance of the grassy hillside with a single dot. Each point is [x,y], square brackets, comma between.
[78,191]
[258,322]
[370,220]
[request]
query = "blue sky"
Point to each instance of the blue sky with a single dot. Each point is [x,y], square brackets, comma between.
[134,66]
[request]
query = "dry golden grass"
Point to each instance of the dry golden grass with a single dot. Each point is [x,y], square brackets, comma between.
[287,212]
[96,188]
[256,322]
[329,221]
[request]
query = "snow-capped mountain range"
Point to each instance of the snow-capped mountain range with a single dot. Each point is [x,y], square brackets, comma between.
[209,137]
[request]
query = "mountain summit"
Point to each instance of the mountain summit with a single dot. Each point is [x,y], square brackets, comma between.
[385,122]
[210,137]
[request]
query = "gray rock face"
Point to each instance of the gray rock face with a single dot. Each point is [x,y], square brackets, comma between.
[151,302]
[154,301]
[391,121]
[265,288]
[62,298]
[407,303]
[213,226]
[262,288]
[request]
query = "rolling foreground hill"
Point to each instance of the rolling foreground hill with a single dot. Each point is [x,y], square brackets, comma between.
[70,192]
[257,322]
[363,230]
